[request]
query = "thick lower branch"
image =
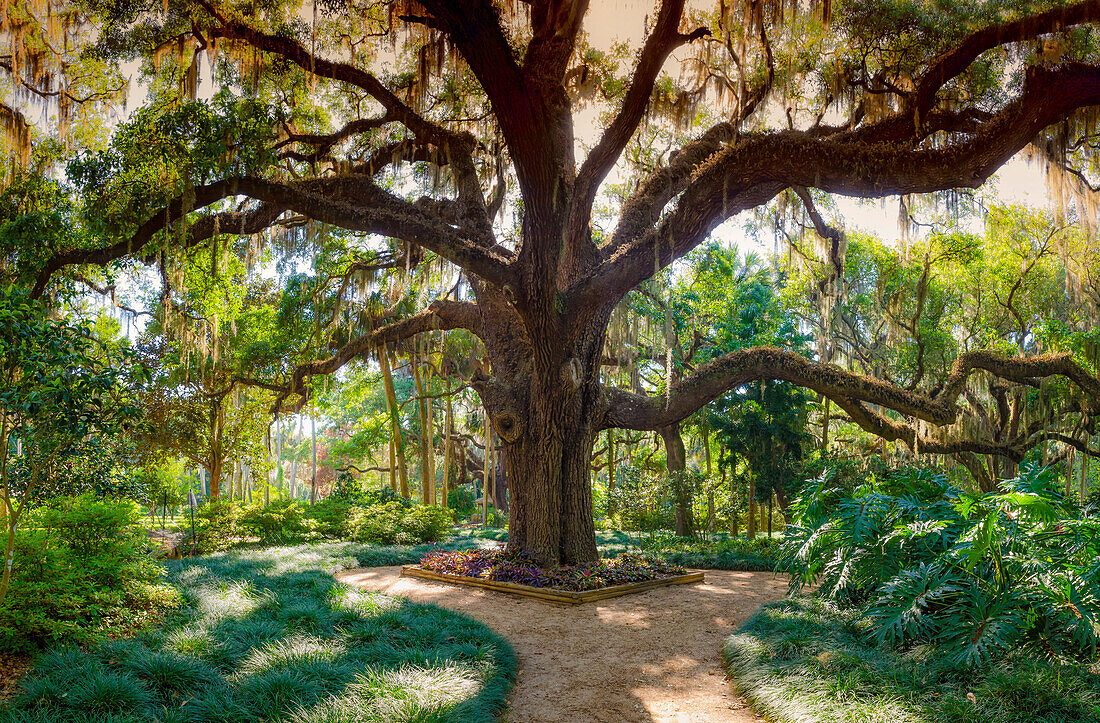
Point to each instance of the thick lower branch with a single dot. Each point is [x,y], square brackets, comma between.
[847,389]
[439,315]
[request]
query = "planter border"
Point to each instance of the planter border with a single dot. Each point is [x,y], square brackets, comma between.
[545,594]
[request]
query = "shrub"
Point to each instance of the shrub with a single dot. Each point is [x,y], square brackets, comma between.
[730,553]
[89,526]
[975,576]
[462,500]
[376,517]
[329,518]
[280,521]
[427,523]
[393,523]
[217,526]
[379,523]
[80,573]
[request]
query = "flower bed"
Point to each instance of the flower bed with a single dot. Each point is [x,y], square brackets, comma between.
[519,568]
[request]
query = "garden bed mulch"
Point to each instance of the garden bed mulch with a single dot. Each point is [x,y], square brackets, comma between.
[12,668]
[649,657]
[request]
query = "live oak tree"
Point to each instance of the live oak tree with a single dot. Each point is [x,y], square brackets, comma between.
[425,121]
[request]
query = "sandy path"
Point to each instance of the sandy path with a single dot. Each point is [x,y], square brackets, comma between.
[653,656]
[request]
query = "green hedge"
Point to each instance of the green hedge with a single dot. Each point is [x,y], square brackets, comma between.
[221,524]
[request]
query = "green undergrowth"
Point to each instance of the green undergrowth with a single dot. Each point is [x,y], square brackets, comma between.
[721,553]
[803,660]
[269,635]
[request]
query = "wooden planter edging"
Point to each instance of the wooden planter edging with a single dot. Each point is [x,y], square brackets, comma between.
[548,594]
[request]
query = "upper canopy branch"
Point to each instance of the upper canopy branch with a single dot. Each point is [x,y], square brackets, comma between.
[356,203]
[848,389]
[244,222]
[954,62]
[353,202]
[474,27]
[555,25]
[742,175]
[293,51]
[324,142]
[661,42]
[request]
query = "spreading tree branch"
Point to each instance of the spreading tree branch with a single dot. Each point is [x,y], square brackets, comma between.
[350,201]
[958,59]
[661,42]
[847,389]
[439,315]
[743,175]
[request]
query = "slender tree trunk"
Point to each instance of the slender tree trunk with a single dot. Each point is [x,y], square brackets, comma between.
[279,458]
[711,523]
[610,472]
[267,479]
[1070,460]
[770,515]
[462,472]
[427,479]
[448,451]
[825,425]
[217,424]
[8,510]
[294,465]
[313,478]
[1083,491]
[393,466]
[734,512]
[487,472]
[676,461]
[752,511]
[395,424]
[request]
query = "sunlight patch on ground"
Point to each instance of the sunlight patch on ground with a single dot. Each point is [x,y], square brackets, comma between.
[407,693]
[284,653]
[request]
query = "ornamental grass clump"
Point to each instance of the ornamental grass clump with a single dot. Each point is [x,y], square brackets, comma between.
[521,568]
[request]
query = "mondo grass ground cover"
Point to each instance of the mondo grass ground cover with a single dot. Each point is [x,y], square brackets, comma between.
[804,660]
[269,635]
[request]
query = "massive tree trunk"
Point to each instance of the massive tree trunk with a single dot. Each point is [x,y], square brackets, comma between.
[547,409]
